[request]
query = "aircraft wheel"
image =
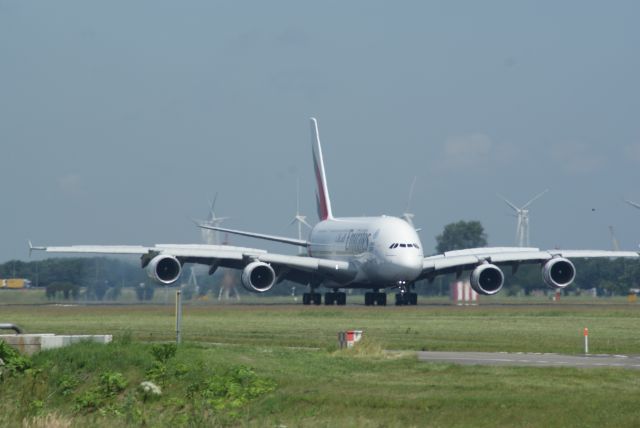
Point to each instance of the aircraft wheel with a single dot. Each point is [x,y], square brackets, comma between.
[317,298]
[342,299]
[306,299]
[413,299]
[381,299]
[400,299]
[329,298]
[368,299]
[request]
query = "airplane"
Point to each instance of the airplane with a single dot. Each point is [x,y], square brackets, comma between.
[373,253]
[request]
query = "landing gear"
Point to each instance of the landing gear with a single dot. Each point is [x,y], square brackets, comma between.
[311,298]
[336,297]
[404,299]
[329,298]
[413,299]
[375,298]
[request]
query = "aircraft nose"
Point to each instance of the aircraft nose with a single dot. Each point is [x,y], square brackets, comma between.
[410,263]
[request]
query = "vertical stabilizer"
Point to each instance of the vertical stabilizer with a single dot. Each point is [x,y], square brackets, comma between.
[322,192]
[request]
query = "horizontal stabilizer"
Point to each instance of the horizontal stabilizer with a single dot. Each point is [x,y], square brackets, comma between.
[281,239]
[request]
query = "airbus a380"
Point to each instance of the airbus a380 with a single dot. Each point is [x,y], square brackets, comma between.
[373,253]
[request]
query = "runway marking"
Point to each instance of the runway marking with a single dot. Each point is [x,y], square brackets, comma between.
[533,359]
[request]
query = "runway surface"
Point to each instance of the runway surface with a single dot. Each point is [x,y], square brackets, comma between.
[541,360]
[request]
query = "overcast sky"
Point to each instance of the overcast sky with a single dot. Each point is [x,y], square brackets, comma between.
[120,120]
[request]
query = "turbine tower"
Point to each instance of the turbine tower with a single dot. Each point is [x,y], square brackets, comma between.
[209,236]
[299,218]
[522,213]
[615,244]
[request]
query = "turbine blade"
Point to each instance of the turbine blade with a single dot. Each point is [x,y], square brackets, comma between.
[413,185]
[297,196]
[213,204]
[302,219]
[408,217]
[633,204]
[516,209]
[534,198]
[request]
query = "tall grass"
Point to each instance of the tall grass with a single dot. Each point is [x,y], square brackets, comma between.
[202,385]
[247,365]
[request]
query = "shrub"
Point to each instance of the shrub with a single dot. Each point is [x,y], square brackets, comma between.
[11,361]
[112,383]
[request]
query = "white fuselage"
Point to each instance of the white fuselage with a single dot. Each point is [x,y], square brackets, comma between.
[385,251]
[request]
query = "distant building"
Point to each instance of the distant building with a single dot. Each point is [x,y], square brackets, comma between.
[14,283]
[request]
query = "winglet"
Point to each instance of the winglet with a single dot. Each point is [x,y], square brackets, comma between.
[31,248]
[322,193]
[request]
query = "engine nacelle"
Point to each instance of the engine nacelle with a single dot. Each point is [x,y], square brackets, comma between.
[258,277]
[487,279]
[164,269]
[558,272]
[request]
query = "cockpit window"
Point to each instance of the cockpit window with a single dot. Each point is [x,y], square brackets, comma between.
[396,245]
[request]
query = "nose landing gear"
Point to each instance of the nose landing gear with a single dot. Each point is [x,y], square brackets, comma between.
[406,297]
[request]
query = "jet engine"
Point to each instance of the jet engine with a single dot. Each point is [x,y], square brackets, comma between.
[487,279]
[558,272]
[258,277]
[164,269]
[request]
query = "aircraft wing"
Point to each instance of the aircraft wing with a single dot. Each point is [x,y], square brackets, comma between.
[177,250]
[295,268]
[453,261]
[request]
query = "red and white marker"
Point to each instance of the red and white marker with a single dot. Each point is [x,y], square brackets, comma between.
[586,340]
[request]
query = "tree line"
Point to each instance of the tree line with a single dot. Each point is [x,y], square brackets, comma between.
[607,277]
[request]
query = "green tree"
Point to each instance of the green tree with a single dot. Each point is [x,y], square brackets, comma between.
[67,289]
[461,235]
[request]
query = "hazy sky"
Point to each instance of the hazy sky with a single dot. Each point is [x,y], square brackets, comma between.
[120,120]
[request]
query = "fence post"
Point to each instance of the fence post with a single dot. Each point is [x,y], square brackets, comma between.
[178,317]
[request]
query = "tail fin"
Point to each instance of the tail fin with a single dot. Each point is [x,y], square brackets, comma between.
[322,193]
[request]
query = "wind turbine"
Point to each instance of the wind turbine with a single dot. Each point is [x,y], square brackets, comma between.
[633,204]
[522,228]
[211,236]
[299,218]
[407,215]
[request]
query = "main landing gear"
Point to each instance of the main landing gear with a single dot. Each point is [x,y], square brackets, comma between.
[375,298]
[331,298]
[337,297]
[312,298]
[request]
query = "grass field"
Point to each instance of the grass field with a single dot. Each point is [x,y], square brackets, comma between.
[317,385]
[514,328]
